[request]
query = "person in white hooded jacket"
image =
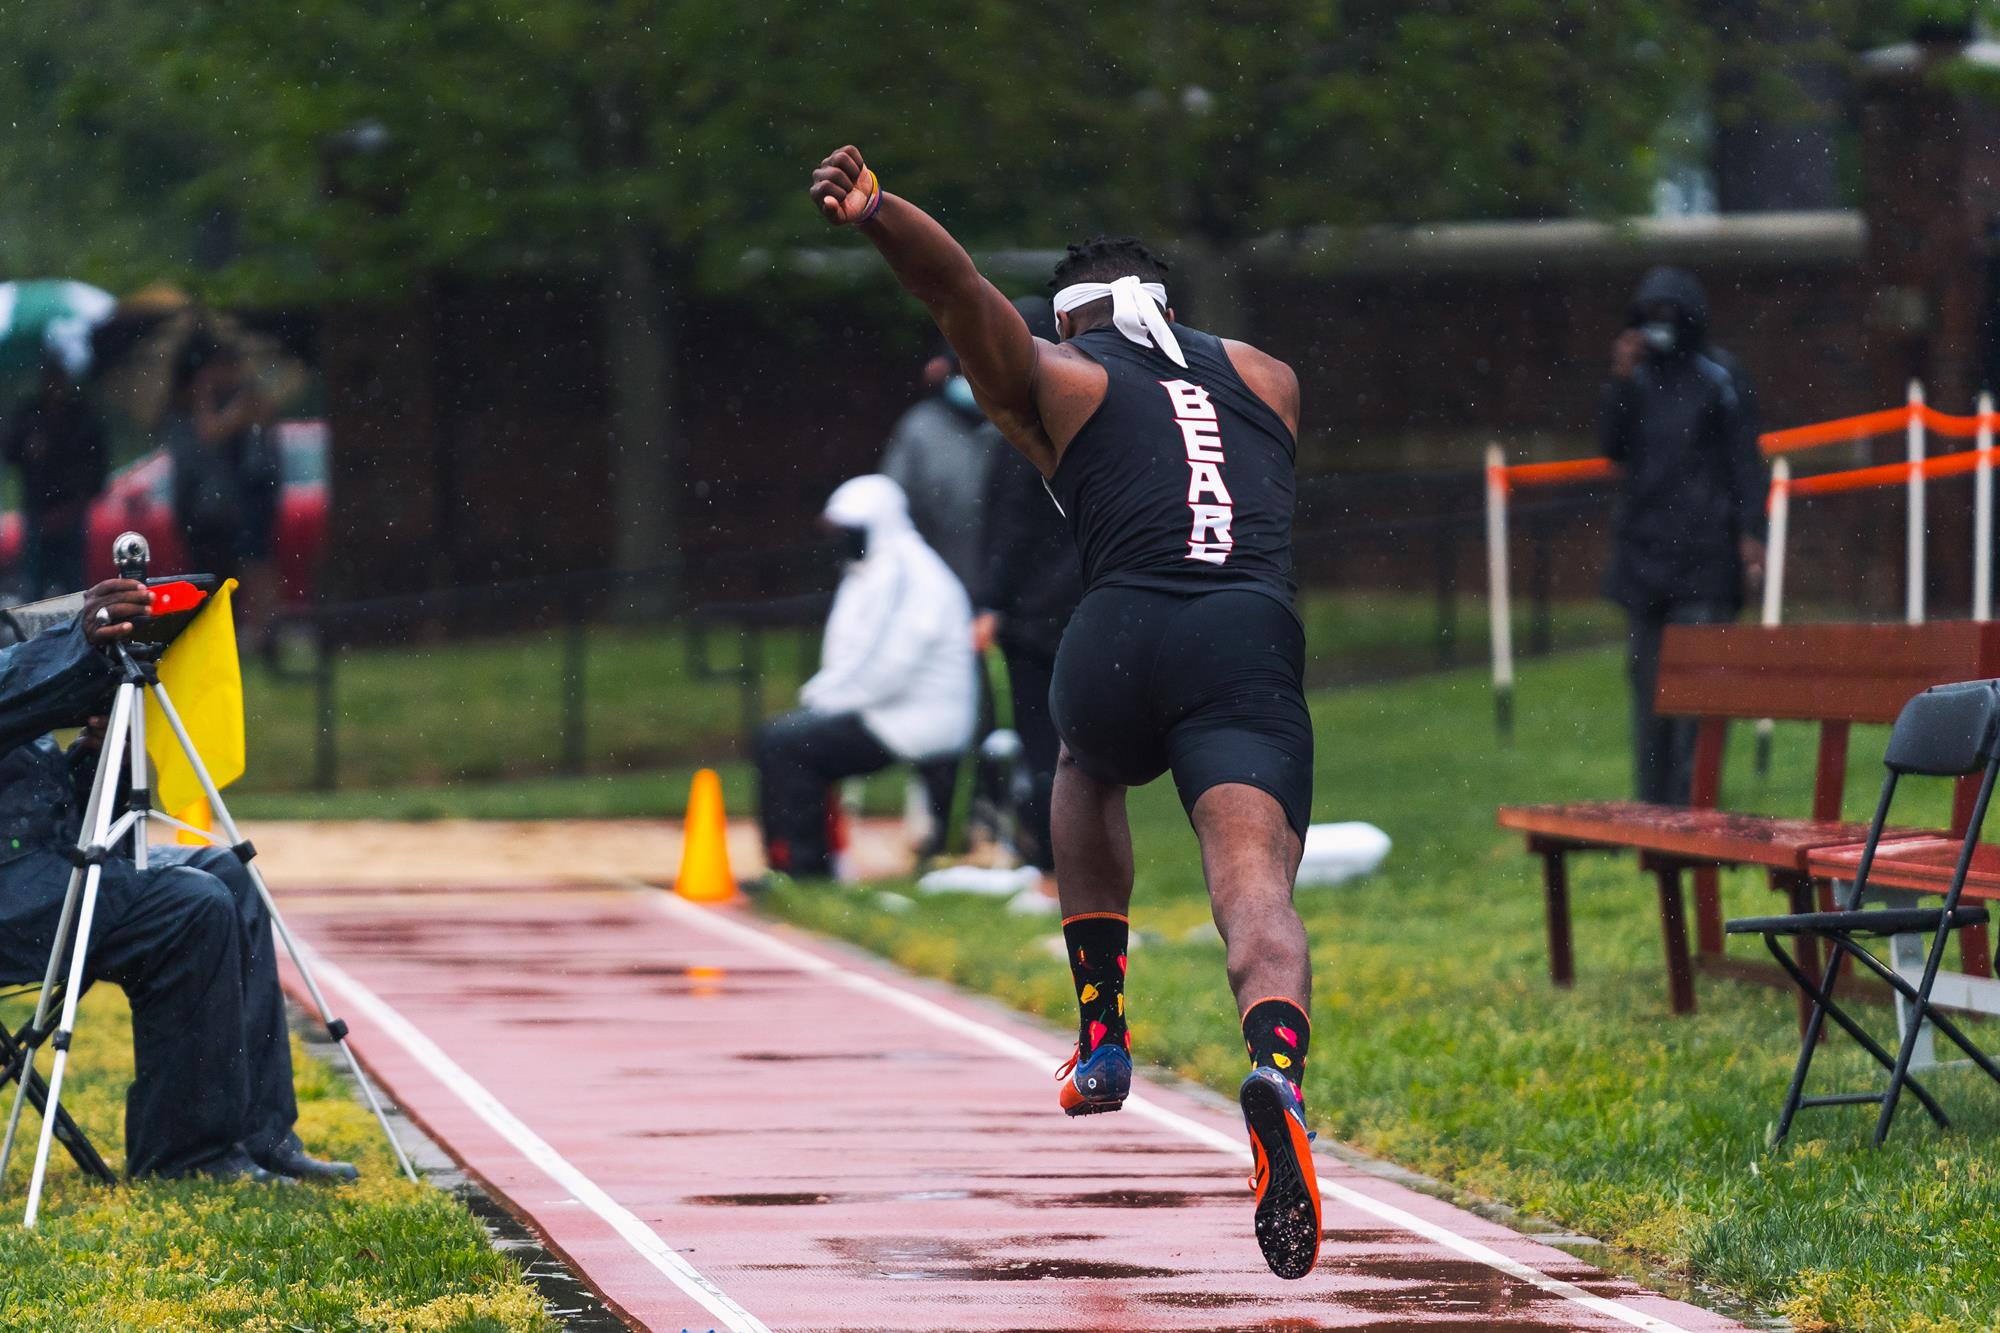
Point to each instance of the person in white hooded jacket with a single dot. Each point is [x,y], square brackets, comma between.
[896,679]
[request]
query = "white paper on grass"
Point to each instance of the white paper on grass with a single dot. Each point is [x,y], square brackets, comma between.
[984,880]
[1335,853]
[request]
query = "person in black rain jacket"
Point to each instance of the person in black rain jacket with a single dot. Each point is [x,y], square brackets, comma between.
[1679,420]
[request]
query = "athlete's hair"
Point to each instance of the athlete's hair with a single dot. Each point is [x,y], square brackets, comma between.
[1106,259]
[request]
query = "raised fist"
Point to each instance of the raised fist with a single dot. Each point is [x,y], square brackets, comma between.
[843,188]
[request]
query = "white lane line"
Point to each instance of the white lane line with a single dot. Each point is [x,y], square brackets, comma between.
[1007,1044]
[536,1149]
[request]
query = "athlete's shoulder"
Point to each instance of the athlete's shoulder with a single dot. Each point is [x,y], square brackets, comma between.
[1269,378]
[1069,386]
[1065,367]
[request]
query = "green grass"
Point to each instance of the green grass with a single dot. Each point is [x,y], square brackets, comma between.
[383,1256]
[1362,636]
[475,728]
[1439,1042]
[492,711]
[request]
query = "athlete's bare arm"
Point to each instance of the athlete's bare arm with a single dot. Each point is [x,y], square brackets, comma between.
[1037,394]
[1269,378]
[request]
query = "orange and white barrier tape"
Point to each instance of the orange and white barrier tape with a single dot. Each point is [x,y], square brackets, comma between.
[1916,418]
[1843,430]
[1891,474]
[1868,425]
[1914,473]
[1499,611]
[1558,473]
[1982,513]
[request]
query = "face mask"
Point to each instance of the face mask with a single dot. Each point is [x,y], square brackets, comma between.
[958,392]
[852,543]
[1661,337]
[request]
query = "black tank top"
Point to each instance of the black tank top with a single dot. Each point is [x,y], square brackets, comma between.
[1183,480]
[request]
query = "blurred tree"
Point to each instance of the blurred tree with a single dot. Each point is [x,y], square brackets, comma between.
[1398,111]
[1775,105]
[356,147]
[92,184]
[525,133]
[1777,98]
[655,146]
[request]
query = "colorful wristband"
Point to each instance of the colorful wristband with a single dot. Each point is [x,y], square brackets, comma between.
[874,197]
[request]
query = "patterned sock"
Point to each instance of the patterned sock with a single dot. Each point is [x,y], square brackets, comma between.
[1097,964]
[1277,1033]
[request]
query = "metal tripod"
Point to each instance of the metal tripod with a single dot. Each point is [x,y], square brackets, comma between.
[124,752]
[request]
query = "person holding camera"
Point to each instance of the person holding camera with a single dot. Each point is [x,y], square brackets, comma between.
[227,472]
[1688,531]
[188,939]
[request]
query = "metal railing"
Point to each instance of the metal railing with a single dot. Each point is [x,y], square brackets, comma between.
[1424,549]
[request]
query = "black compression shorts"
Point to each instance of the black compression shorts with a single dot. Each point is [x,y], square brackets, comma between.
[1208,685]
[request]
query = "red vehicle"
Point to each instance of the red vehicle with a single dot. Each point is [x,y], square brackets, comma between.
[139,498]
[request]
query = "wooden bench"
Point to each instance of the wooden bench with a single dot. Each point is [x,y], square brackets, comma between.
[1923,864]
[1918,863]
[1834,675]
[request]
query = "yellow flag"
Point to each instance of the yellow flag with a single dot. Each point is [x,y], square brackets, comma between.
[200,816]
[205,681]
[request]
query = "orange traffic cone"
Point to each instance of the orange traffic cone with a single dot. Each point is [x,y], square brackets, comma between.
[705,876]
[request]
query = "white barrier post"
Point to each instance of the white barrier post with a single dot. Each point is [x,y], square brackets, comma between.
[1913,598]
[1774,579]
[1774,550]
[1982,515]
[1499,612]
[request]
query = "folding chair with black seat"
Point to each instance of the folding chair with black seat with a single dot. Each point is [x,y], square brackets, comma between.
[1948,731]
[15,1048]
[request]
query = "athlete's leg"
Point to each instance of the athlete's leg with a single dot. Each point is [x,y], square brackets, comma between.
[1249,855]
[1110,742]
[1093,842]
[1241,754]
[1093,854]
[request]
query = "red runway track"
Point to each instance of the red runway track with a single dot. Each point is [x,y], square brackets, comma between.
[727,1125]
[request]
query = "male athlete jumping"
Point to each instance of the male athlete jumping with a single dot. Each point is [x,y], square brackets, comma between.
[1172,454]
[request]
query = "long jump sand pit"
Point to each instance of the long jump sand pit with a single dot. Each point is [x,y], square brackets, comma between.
[474,853]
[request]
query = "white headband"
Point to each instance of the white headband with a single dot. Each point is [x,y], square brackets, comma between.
[1140,320]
